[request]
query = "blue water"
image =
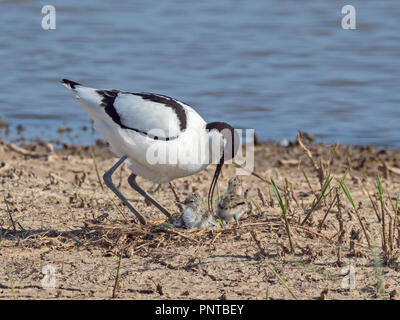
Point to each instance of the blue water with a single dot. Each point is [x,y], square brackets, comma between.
[274,66]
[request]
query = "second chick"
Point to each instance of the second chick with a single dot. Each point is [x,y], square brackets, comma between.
[233,205]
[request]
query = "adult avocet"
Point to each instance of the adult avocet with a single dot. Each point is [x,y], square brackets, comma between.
[162,138]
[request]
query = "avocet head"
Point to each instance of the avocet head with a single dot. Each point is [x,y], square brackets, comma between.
[224,144]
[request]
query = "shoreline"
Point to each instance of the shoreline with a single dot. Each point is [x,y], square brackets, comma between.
[101,143]
[62,136]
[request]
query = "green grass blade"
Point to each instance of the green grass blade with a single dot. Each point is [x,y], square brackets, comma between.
[346,191]
[282,281]
[380,190]
[167,225]
[308,181]
[12,284]
[347,194]
[278,196]
[315,204]
[344,176]
[284,213]
[379,184]
[257,206]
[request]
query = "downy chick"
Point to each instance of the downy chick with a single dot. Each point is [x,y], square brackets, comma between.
[233,205]
[192,216]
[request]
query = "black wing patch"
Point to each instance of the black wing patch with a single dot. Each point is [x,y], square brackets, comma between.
[107,101]
[168,102]
[108,98]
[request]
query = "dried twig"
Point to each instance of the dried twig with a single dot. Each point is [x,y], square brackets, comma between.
[342,232]
[176,196]
[116,284]
[261,196]
[178,233]
[10,215]
[28,153]
[327,211]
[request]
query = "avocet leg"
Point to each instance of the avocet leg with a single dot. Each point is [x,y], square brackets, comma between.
[135,186]
[107,177]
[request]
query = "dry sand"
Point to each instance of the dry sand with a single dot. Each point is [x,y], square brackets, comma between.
[63,219]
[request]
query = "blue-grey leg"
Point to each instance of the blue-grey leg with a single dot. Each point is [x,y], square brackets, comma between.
[237,220]
[132,182]
[107,177]
[237,223]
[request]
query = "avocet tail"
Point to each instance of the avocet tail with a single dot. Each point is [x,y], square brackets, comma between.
[89,98]
[70,84]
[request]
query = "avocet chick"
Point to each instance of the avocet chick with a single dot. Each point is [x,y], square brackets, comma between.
[192,216]
[233,205]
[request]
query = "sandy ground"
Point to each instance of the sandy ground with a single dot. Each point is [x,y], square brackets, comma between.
[65,222]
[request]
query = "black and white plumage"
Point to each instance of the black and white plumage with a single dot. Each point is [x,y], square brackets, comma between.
[146,127]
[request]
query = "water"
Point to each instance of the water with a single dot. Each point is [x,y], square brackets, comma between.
[274,66]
